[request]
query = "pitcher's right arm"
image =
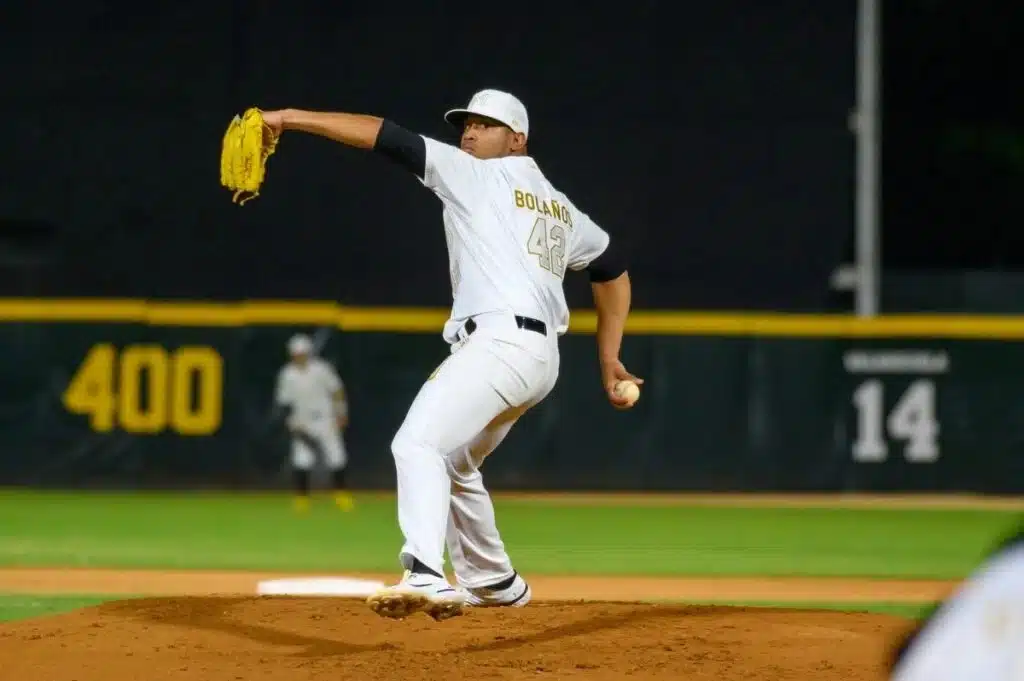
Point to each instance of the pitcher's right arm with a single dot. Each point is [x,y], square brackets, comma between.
[605,263]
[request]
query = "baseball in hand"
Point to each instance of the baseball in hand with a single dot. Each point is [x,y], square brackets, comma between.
[628,390]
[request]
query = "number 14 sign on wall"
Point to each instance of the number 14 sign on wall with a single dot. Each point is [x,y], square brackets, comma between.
[894,400]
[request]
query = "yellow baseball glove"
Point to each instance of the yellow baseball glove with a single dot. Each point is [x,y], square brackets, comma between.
[247,144]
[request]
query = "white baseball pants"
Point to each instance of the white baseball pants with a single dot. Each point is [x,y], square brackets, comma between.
[327,441]
[458,417]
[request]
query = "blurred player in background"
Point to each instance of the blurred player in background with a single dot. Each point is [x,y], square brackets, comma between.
[309,389]
[977,634]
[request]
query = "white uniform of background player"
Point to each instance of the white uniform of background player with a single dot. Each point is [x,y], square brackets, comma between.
[310,389]
[511,237]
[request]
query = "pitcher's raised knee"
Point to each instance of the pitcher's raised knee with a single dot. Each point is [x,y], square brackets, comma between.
[405,447]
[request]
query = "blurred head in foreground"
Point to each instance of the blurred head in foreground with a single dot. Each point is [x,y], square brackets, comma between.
[977,633]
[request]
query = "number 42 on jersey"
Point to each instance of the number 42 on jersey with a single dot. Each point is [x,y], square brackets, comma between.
[547,242]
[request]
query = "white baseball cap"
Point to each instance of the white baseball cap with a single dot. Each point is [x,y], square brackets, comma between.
[300,345]
[501,106]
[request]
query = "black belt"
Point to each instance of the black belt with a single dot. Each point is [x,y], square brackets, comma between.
[528,323]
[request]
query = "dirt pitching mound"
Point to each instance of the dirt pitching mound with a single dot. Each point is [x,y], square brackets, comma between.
[284,638]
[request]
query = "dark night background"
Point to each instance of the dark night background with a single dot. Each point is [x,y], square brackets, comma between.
[711,137]
[954,137]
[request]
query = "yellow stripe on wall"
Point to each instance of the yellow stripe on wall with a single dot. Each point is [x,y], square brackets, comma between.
[430,320]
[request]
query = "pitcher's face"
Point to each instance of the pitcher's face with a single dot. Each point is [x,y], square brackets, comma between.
[487,138]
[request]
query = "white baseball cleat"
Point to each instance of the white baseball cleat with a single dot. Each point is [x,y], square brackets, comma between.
[516,595]
[418,592]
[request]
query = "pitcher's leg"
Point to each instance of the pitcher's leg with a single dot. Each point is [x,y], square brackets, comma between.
[474,544]
[480,381]
[450,410]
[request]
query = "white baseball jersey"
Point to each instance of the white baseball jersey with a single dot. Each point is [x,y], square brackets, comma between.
[511,235]
[309,391]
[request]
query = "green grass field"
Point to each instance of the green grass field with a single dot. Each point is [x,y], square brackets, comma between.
[260,532]
[15,606]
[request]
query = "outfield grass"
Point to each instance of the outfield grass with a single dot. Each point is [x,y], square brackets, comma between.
[245,531]
[20,606]
[260,532]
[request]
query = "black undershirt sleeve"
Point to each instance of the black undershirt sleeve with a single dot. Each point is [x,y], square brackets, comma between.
[405,148]
[609,265]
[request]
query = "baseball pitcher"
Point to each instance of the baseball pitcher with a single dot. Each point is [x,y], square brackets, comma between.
[511,237]
[314,397]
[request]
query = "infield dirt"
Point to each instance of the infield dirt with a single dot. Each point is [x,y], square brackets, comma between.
[585,628]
